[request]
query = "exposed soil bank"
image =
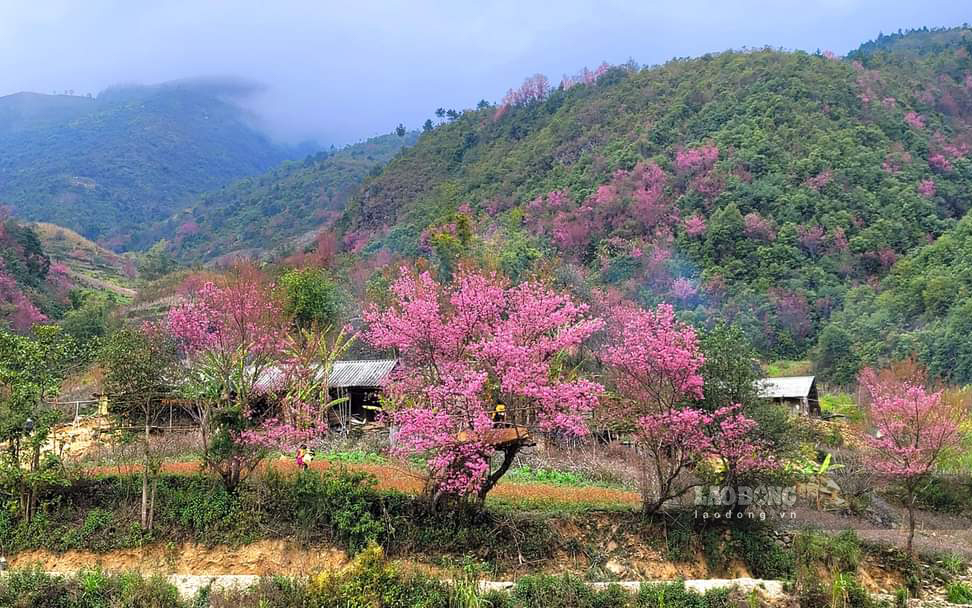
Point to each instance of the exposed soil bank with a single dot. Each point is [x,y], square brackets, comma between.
[265,557]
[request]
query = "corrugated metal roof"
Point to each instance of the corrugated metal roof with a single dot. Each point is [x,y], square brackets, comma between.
[345,374]
[361,373]
[785,388]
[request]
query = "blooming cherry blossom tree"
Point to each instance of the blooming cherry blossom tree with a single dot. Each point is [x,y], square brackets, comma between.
[231,333]
[654,362]
[467,346]
[913,426]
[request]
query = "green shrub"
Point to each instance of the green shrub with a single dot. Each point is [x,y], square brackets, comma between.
[371,581]
[89,589]
[675,595]
[952,563]
[565,592]
[764,557]
[847,592]
[840,553]
[946,494]
[959,593]
[901,596]
[341,502]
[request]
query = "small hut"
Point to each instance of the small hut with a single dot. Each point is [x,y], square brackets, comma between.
[798,392]
[360,381]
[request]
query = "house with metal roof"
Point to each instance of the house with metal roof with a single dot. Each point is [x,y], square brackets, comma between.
[798,392]
[359,382]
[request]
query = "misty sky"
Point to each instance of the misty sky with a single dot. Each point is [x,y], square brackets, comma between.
[342,71]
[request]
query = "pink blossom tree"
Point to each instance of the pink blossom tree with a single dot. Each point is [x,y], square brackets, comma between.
[810,238]
[759,227]
[736,448]
[820,180]
[466,347]
[694,225]
[914,428]
[654,363]
[926,188]
[691,160]
[15,307]
[231,334]
[915,120]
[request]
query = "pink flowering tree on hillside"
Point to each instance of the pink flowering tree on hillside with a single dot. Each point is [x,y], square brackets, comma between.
[466,347]
[913,428]
[654,362]
[230,333]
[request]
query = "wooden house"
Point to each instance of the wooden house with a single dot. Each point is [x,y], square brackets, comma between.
[360,381]
[798,392]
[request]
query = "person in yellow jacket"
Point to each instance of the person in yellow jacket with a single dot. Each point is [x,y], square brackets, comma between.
[499,415]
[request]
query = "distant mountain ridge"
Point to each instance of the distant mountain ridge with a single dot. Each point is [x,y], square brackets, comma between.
[280,210]
[105,166]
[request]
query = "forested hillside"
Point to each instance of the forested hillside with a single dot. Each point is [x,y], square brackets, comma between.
[269,212]
[923,307]
[756,186]
[32,288]
[105,166]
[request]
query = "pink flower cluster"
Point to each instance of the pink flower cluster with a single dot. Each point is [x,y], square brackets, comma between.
[926,188]
[631,203]
[465,347]
[234,318]
[684,289]
[535,88]
[759,227]
[655,358]
[820,180]
[16,307]
[696,159]
[694,225]
[810,238]
[915,120]
[913,426]
[585,76]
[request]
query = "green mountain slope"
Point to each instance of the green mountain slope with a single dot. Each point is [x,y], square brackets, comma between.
[105,166]
[278,210]
[88,264]
[923,307]
[757,186]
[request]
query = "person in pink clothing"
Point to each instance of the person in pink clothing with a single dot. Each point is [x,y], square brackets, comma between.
[302,458]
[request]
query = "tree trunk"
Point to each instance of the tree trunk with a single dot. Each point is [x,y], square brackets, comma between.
[911,523]
[32,493]
[145,475]
[151,507]
[509,453]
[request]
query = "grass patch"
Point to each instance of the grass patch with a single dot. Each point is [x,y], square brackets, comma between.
[555,477]
[350,457]
[785,367]
[959,593]
[841,404]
